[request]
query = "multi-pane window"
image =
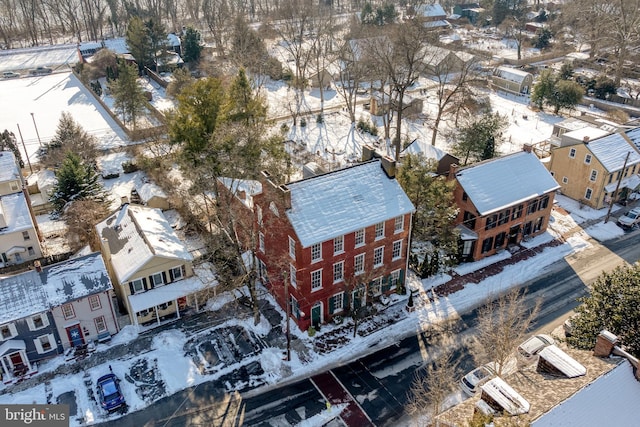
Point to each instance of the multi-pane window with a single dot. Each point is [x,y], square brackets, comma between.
[398,224]
[359,237]
[14,186]
[44,343]
[292,275]
[338,271]
[469,220]
[337,302]
[101,324]
[397,249]
[378,256]
[588,193]
[39,321]
[379,230]
[503,217]
[292,248]
[316,252]
[517,212]
[587,159]
[25,235]
[565,180]
[67,311]
[8,331]
[491,222]
[500,238]
[544,202]
[538,224]
[572,153]
[594,175]
[395,278]
[487,244]
[316,280]
[338,245]
[176,273]
[533,206]
[31,251]
[137,285]
[376,286]
[157,279]
[358,264]
[261,242]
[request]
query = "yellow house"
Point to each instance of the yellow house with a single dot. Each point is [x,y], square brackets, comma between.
[151,268]
[589,170]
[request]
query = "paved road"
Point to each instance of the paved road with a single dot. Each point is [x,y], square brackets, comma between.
[379,382]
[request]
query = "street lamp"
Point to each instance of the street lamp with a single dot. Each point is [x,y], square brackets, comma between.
[35,126]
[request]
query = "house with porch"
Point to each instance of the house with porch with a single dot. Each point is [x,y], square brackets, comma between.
[150,267]
[28,332]
[595,169]
[501,202]
[81,296]
[19,237]
[333,243]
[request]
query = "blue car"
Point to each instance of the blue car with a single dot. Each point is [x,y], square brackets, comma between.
[111,397]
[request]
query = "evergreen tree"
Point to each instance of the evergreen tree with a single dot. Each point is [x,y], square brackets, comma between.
[477,140]
[544,88]
[191,47]
[181,79]
[76,181]
[432,235]
[139,42]
[241,104]
[566,71]
[567,94]
[157,36]
[8,142]
[128,96]
[613,304]
[543,38]
[69,137]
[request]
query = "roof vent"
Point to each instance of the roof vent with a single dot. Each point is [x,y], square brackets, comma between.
[586,139]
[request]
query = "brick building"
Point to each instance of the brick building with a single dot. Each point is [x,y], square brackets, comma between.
[501,201]
[335,241]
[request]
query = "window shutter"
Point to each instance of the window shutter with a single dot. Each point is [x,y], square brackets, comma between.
[401,278]
[171,274]
[331,307]
[164,277]
[131,289]
[345,300]
[32,326]
[386,284]
[38,346]
[144,284]
[184,271]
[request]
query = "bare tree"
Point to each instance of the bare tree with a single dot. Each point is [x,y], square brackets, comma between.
[502,325]
[218,16]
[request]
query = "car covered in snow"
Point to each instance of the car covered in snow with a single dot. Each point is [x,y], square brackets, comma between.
[630,218]
[10,75]
[534,345]
[40,70]
[471,382]
[111,398]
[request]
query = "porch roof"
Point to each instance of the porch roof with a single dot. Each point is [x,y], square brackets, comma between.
[166,293]
[631,182]
[12,345]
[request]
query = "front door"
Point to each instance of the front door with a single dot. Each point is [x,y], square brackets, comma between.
[16,359]
[513,234]
[316,314]
[75,335]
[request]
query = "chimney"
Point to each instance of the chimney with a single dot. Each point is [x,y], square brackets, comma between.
[368,152]
[389,166]
[286,196]
[124,200]
[37,266]
[106,250]
[586,139]
[604,344]
[528,148]
[453,170]
[242,195]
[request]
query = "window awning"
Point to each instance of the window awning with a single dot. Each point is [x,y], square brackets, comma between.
[16,250]
[466,233]
[631,182]
[166,293]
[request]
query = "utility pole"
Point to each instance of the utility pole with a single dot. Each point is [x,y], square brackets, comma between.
[25,148]
[615,192]
[37,133]
[288,303]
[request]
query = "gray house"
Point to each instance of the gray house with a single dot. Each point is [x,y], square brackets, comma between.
[27,331]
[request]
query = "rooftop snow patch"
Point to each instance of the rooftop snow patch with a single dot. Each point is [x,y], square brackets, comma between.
[8,168]
[21,296]
[341,202]
[498,183]
[497,392]
[165,293]
[16,213]
[75,279]
[427,150]
[554,361]
[612,151]
[511,74]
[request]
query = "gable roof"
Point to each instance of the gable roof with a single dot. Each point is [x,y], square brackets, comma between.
[505,396]
[609,400]
[8,168]
[16,213]
[511,74]
[429,151]
[612,151]
[135,235]
[75,278]
[343,201]
[21,296]
[430,10]
[495,184]
[148,191]
[560,362]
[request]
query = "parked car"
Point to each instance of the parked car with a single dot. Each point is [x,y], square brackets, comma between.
[472,382]
[630,219]
[10,75]
[111,398]
[534,345]
[40,70]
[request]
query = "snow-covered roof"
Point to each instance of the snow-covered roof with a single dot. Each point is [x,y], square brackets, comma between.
[609,400]
[505,396]
[511,74]
[340,202]
[75,278]
[634,136]
[430,10]
[46,180]
[428,150]
[8,168]
[165,293]
[21,296]
[173,39]
[495,184]
[612,151]
[436,24]
[118,45]
[237,186]
[148,190]
[466,233]
[136,234]
[588,131]
[16,213]
[562,361]
[631,182]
